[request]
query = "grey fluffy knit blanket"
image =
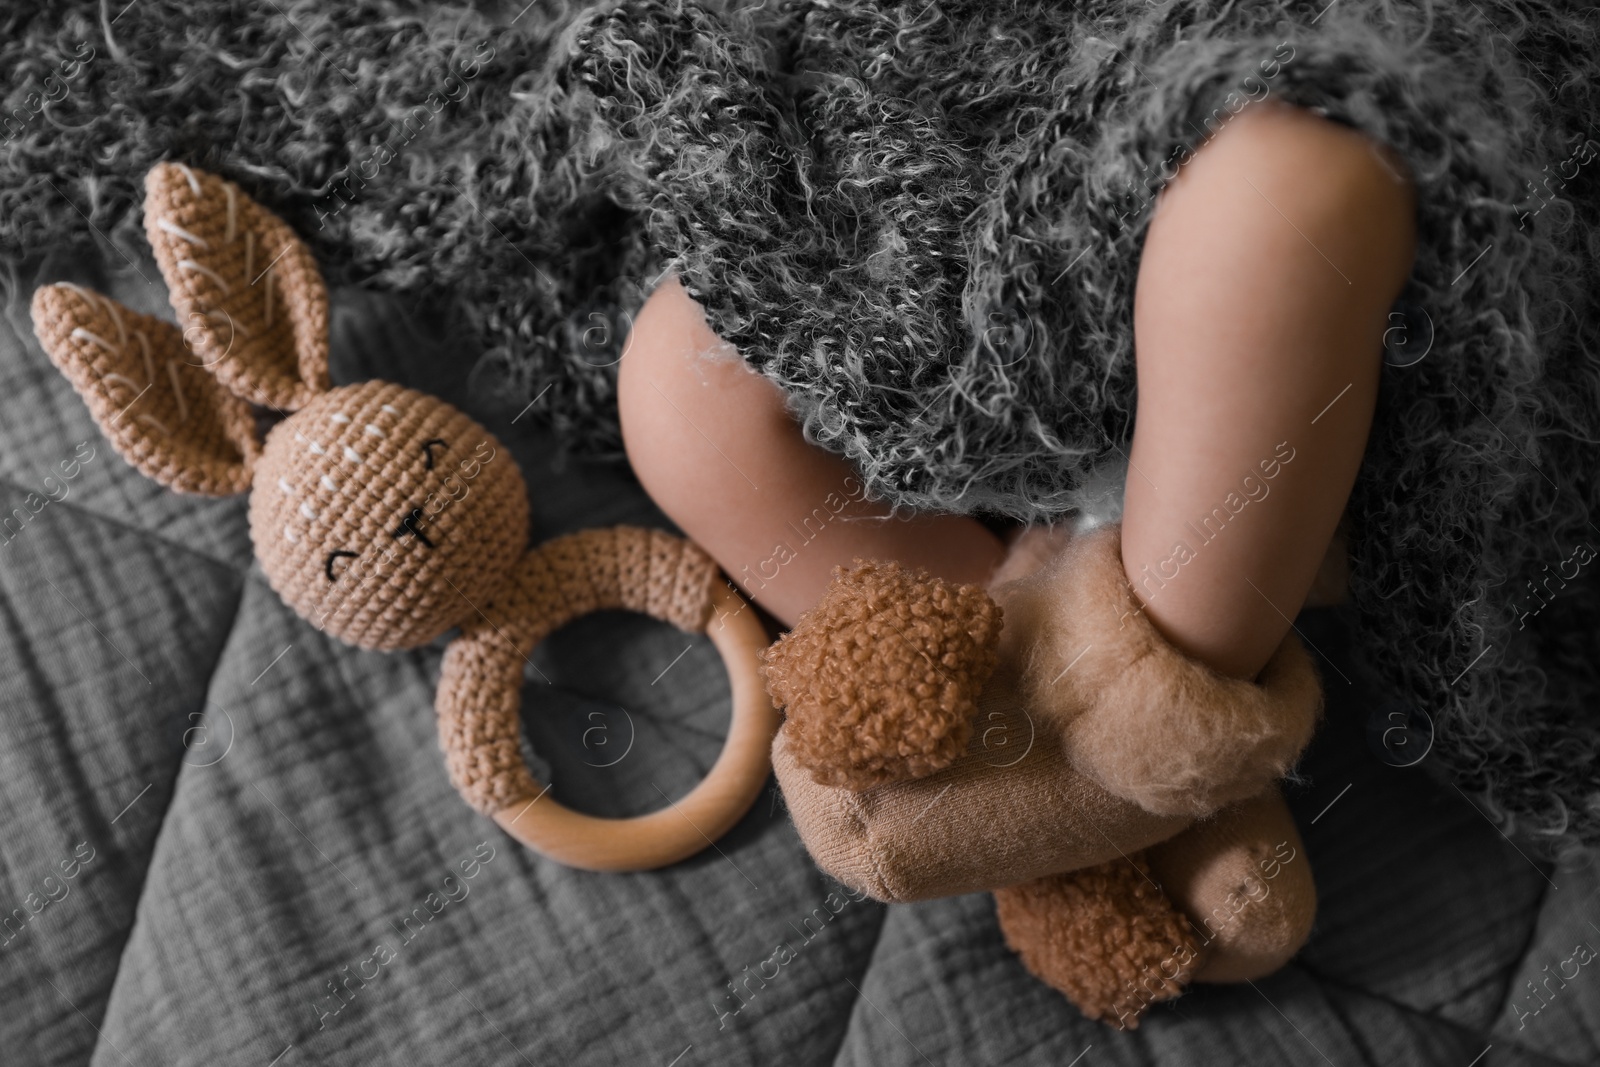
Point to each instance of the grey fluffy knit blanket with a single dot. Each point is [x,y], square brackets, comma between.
[923,220]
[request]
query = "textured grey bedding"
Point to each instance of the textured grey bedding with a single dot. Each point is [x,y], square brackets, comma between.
[229,839]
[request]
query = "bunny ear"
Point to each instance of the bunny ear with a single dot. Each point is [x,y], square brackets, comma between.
[165,415]
[246,290]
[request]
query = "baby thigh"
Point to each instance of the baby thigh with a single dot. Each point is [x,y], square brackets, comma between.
[713,444]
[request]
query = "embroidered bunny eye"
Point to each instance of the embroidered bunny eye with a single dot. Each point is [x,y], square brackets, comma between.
[427,449]
[327,568]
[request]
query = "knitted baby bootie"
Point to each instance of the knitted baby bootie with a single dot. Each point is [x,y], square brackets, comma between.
[1144,720]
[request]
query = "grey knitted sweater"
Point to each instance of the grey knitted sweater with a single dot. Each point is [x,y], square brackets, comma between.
[923,220]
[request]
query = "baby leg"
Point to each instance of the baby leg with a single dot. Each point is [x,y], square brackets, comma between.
[713,444]
[1264,286]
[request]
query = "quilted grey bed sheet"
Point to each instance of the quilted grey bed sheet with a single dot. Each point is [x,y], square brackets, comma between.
[230,840]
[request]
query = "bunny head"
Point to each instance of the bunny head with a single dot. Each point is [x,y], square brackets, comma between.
[382,515]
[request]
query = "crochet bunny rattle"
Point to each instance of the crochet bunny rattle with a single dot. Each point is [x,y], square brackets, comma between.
[386,517]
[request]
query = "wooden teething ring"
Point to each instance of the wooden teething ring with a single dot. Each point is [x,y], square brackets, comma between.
[480,696]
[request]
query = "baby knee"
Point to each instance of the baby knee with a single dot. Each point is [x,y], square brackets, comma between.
[1352,189]
[678,382]
[1350,196]
[655,365]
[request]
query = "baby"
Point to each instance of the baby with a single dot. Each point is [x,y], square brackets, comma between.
[1267,274]
[1268,271]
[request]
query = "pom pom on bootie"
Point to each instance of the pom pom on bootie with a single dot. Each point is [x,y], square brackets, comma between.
[881,683]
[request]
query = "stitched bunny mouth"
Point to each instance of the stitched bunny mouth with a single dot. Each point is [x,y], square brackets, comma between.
[408,527]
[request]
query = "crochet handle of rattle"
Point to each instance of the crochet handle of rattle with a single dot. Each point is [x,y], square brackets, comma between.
[479,698]
[480,682]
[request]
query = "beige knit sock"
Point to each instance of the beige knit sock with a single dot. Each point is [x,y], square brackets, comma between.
[1243,879]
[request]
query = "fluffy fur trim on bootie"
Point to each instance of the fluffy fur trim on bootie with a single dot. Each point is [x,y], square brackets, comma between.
[1147,722]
